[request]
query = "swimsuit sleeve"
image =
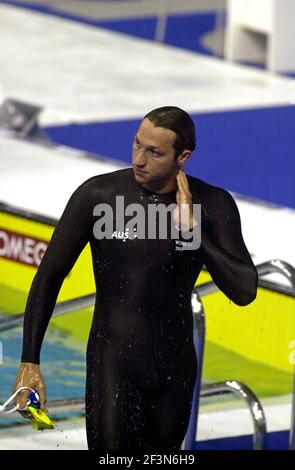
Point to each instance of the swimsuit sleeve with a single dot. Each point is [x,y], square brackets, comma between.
[225,253]
[68,240]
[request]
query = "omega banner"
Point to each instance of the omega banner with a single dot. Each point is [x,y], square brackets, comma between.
[21,248]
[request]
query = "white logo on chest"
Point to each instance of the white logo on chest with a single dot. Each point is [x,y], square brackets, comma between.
[124,235]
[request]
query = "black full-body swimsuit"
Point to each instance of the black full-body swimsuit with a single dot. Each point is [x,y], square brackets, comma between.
[141,361]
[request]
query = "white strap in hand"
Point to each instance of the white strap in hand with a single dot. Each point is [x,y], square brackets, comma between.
[16,407]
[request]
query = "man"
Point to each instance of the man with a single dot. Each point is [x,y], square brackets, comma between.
[141,362]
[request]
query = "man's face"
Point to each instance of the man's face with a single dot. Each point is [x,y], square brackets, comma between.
[153,155]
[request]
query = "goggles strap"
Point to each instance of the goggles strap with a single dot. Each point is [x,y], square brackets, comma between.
[16,407]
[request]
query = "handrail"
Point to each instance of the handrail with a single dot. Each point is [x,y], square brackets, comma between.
[254,405]
[79,303]
[199,342]
[68,405]
[61,308]
[210,287]
[275,287]
[269,267]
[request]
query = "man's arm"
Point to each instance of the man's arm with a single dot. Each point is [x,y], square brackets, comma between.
[68,240]
[223,249]
[225,253]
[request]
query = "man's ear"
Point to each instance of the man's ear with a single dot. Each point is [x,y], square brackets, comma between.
[183,157]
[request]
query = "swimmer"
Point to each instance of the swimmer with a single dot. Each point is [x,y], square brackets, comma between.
[141,360]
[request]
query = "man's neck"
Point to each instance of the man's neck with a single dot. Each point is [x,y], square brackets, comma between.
[161,187]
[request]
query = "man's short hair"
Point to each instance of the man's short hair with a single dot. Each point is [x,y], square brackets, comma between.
[178,121]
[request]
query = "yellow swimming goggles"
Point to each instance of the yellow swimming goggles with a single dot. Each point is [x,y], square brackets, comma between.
[32,410]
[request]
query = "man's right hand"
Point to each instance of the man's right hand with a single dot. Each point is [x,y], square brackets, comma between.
[29,375]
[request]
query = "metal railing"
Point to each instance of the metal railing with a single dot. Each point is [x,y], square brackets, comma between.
[254,405]
[67,405]
[273,266]
[61,308]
